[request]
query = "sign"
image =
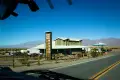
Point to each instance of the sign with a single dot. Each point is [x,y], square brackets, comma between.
[48,42]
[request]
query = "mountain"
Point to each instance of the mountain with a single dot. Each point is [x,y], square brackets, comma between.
[108,41]
[86,42]
[24,45]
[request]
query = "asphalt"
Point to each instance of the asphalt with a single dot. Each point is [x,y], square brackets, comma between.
[87,70]
[113,74]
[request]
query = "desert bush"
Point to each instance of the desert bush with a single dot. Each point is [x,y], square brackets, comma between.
[79,55]
[109,49]
[94,52]
[103,50]
[25,60]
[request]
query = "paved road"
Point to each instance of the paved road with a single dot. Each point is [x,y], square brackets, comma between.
[87,70]
[113,74]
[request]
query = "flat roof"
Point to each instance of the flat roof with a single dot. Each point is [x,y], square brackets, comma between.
[71,39]
[42,46]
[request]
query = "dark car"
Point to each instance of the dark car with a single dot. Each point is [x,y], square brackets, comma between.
[7,74]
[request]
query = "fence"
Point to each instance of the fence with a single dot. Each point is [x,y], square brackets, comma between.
[26,60]
[29,60]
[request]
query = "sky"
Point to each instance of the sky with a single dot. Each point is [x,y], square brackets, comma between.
[85,19]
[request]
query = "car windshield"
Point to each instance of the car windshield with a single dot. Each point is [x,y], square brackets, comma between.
[77,38]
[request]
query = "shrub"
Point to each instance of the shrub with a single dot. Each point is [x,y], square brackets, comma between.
[23,61]
[94,52]
[103,50]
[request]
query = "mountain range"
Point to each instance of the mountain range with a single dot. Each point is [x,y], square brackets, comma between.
[86,42]
[108,41]
[24,45]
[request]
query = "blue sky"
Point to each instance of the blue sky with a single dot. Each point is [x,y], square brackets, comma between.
[92,19]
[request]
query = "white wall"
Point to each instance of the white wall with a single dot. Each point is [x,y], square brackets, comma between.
[33,50]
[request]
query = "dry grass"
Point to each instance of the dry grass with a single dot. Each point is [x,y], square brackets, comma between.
[113,47]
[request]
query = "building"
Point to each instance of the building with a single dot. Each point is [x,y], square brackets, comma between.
[33,50]
[68,42]
[64,45]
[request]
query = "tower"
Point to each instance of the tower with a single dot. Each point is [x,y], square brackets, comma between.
[48,44]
